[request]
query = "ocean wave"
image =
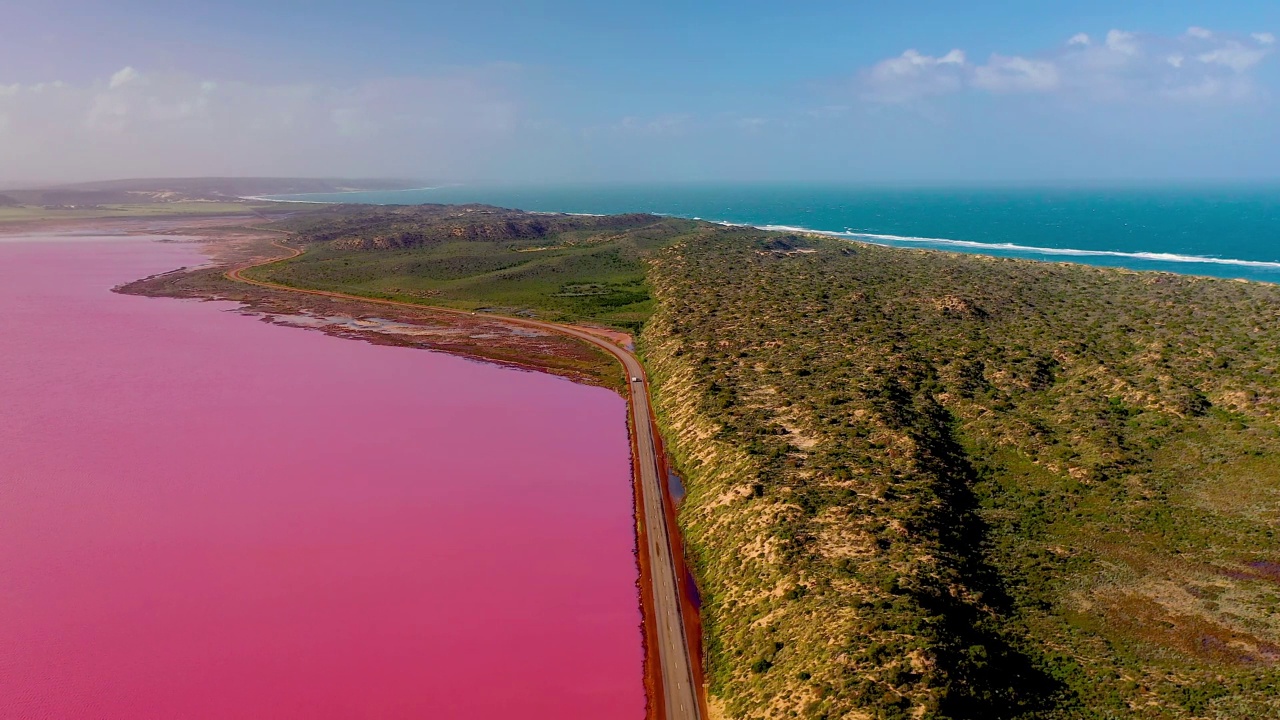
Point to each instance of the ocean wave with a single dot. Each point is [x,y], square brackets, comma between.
[883,239]
[1032,249]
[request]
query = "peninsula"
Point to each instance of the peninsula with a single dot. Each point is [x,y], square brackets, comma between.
[918,483]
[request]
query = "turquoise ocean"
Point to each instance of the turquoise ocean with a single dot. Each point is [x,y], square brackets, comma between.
[1223,231]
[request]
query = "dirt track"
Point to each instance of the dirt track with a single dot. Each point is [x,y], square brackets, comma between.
[677,695]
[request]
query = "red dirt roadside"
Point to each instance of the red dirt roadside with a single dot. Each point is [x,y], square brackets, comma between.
[673,673]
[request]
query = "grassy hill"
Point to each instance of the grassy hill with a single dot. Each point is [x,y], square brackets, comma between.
[471,257]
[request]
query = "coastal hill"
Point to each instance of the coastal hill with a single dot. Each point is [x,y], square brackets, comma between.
[359,227]
[933,485]
[919,484]
[560,267]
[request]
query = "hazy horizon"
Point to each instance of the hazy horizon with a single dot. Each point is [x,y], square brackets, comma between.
[497,92]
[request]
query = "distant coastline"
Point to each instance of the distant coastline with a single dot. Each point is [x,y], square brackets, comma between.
[1179,230]
[990,248]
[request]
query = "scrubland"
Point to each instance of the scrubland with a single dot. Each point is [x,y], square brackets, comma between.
[919,484]
[933,485]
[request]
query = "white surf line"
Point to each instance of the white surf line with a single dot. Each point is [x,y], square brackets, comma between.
[885,239]
[1012,247]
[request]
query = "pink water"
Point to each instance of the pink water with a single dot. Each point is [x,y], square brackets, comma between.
[206,516]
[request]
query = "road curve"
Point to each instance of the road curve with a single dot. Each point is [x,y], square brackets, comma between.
[676,672]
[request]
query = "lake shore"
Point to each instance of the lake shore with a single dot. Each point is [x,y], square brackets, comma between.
[1213,230]
[231,240]
[281,443]
[474,336]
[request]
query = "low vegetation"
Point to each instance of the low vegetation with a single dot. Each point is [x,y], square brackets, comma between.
[561,267]
[933,485]
[920,485]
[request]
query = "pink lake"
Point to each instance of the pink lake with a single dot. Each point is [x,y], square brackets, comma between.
[206,516]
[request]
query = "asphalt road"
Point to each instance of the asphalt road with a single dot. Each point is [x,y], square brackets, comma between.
[678,690]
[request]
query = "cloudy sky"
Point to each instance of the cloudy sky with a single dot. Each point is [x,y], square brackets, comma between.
[579,90]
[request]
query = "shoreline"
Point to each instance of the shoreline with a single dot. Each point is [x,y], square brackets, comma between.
[1036,253]
[674,689]
[372,521]
[677,682]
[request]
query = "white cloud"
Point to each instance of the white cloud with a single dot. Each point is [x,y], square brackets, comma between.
[912,76]
[138,123]
[1125,43]
[1198,65]
[1235,56]
[1015,74]
[123,77]
[1264,38]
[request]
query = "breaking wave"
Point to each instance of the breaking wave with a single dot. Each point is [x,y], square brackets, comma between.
[1030,249]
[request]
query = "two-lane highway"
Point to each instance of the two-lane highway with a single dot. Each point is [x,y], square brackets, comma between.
[676,670]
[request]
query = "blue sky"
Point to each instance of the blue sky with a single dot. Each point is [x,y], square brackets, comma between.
[569,91]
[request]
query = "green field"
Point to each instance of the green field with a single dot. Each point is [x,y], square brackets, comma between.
[585,270]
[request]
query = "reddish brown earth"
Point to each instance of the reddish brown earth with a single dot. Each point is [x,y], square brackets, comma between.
[479,336]
[674,676]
